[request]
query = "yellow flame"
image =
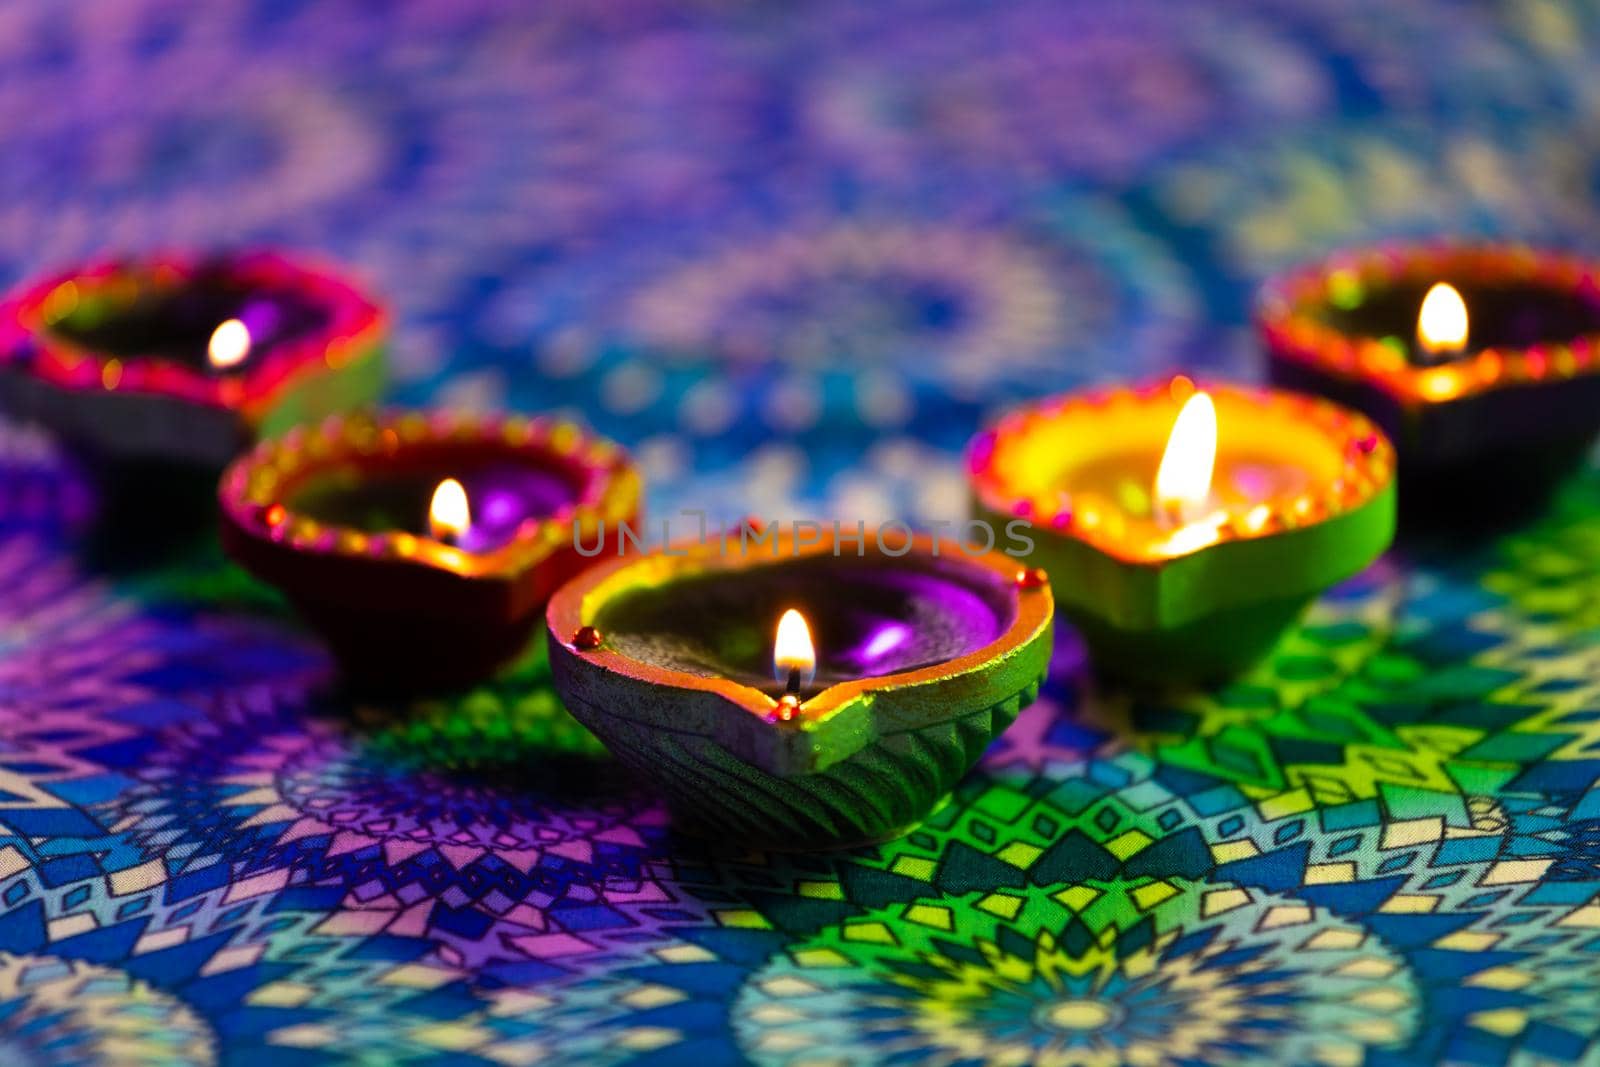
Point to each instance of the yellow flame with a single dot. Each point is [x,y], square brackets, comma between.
[448,515]
[230,343]
[793,649]
[1442,322]
[1183,481]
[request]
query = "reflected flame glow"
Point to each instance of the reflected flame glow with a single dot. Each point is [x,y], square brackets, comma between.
[1193,537]
[888,638]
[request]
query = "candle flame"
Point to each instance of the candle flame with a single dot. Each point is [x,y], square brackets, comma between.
[1183,481]
[230,343]
[449,516]
[1442,322]
[793,650]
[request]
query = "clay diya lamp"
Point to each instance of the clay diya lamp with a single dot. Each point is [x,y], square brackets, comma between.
[422,546]
[1482,362]
[1184,530]
[155,372]
[187,359]
[795,693]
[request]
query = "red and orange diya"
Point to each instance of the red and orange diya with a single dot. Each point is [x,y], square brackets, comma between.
[1184,529]
[423,545]
[795,693]
[186,359]
[1482,362]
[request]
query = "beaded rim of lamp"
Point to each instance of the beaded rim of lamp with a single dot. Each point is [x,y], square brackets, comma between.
[355,326]
[1097,414]
[407,612]
[252,488]
[1287,316]
[861,760]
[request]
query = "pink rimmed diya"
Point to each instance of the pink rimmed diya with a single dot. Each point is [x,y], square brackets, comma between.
[1482,362]
[186,359]
[1183,530]
[423,545]
[792,693]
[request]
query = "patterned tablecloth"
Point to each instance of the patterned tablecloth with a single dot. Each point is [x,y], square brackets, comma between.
[793,254]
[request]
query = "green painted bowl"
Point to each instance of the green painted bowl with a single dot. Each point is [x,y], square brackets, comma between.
[1156,612]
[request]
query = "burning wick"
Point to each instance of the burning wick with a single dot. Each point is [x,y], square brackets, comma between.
[1442,322]
[794,660]
[449,516]
[1183,481]
[229,344]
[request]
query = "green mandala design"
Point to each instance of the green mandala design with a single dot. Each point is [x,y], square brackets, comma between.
[1100,821]
[513,720]
[1550,571]
[1087,974]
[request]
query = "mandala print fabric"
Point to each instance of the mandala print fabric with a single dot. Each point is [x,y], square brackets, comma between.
[793,256]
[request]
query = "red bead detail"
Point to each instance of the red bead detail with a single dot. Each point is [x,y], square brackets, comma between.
[1032,578]
[274,515]
[788,708]
[587,639]
[1368,443]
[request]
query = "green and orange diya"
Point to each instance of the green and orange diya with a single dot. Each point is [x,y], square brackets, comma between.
[186,359]
[1482,362]
[1184,529]
[423,545]
[796,692]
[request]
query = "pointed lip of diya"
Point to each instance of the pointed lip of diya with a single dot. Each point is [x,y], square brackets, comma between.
[835,723]
[1285,316]
[355,326]
[1297,552]
[416,573]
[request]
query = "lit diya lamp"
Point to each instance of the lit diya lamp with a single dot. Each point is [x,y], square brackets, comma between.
[1481,362]
[786,692]
[422,546]
[156,372]
[1184,529]
[184,360]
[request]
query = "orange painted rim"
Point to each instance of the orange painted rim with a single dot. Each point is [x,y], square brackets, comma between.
[575,605]
[1368,461]
[28,339]
[253,486]
[1286,317]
